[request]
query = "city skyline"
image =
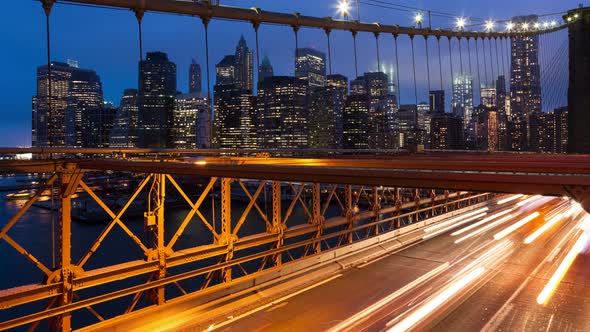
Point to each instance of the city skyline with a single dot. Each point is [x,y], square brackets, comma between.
[120,71]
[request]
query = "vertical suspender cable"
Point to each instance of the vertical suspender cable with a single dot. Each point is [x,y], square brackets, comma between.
[493,78]
[414,70]
[497,60]
[452,75]
[256,25]
[329,51]
[139,16]
[439,62]
[427,63]
[356,69]
[503,66]
[485,64]
[399,91]
[460,57]
[205,21]
[296,30]
[377,44]
[469,57]
[47,8]
[478,70]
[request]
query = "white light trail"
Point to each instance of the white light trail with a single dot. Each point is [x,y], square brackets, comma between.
[516,226]
[435,302]
[528,200]
[543,228]
[558,275]
[483,229]
[377,305]
[433,234]
[511,198]
[450,221]
[483,221]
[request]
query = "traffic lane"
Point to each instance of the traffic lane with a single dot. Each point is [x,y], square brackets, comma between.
[358,288]
[510,297]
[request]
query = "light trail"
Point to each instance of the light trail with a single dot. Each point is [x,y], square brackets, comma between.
[528,200]
[435,302]
[509,199]
[562,269]
[483,229]
[377,305]
[483,221]
[428,236]
[543,228]
[450,221]
[516,226]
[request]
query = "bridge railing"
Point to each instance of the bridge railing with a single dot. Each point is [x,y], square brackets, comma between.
[198,233]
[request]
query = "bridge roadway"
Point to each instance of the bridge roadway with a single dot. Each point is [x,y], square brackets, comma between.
[380,294]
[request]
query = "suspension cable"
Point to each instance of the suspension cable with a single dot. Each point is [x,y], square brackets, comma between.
[47,9]
[329,51]
[356,69]
[497,60]
[469,57]
[485,64]
[296,31]
[503,66]
[427,63]
[451,62]
[399,91]
[460,57]
[139,16]
[439,62]
[414,68]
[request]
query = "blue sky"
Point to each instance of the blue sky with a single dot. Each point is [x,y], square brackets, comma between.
[106,40]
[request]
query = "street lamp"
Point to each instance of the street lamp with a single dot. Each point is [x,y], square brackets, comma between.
[545,25]
[460,23]
[553,23]
[489,25]
[418,19]
[537,25]
[525,26]
[344,8]
[509,26]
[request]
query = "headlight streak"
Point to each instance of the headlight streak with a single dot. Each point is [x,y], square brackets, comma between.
[543,229]
[377,305]
[511,198]
[483,221]
[516,226]
[446,229]
[436,301]
[493,255]
[448,222]
[562,269]
[483,229]
[528,200]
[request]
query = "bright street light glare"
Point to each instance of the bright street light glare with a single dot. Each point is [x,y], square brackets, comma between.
[509,26]
[418,18]
[489,25]
[525,26]
[343,7]
[460,23]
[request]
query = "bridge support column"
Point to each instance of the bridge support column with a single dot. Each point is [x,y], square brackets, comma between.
[277,223]
[70,177]
[317,220]
[349,212]
[226,236]
[375,206]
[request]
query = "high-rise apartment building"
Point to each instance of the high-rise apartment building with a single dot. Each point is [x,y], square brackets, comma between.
[446,132]
[225,70]
[310,65]
[235,121]
[194,77]
[157,92]
[97,124]
[189,111]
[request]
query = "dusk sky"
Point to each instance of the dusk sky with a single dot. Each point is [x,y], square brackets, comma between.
[106,40]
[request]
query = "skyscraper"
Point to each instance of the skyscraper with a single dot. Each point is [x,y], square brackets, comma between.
[85,93]
[157,91]
[311,66]
[325,113]
[356,121]
[488,96]
[501,94]
[446,132]
[244,74]
[188,113]
[561,129]
[234,121]
[265,69]
[579,79]
[437,101]
[525,76]
[50,114]
[96,126]
[194,77]
[517,134]
[225,70]
[283,113]
[462,102]
[125,127]
[486,130]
